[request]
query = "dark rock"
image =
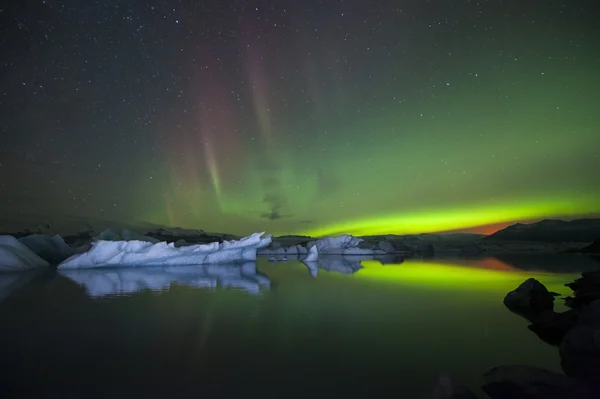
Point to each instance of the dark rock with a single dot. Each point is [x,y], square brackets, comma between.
[386,247]
[529,299]
[593,248]
[587,279]
[526,382]
[551,327]
[580,352]
[590,314]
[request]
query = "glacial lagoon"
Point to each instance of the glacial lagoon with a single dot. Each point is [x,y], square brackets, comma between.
[343,327]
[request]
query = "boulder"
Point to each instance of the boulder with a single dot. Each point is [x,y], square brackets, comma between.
[586,290]
[580,352]
[590,314]
[551,327]
[386,247]
[530,299]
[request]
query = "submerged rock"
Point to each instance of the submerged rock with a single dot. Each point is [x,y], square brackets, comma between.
[530,299]
[526,382]
[445,389]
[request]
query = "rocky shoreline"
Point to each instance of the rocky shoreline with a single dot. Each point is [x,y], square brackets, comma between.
[576,333]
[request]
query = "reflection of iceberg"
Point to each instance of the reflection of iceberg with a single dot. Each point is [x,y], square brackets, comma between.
[342,264]
[141,253]
[346,264]
[10,282]
[336,263]
[313,267]
[312,255]
[101,282]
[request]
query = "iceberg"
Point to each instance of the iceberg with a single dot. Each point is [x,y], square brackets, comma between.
[142,253]
[121,281]
[15,256]
[341,245]
[277,249]
[51,249]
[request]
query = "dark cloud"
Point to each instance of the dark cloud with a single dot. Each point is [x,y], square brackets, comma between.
[274,202]
[273,215]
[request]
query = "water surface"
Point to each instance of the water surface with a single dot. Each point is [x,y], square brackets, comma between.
[268,329]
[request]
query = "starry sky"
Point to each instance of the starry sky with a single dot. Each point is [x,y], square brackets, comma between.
[300,117]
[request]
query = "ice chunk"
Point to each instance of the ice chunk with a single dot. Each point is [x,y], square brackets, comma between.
[141,253]
[119,281]
[52,249]
[312,255]
[15,256]
[109,235]
[344,244]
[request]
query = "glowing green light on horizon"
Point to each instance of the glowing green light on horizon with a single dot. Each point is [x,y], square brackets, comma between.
[445,220]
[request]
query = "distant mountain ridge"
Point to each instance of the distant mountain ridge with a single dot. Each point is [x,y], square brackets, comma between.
[550,230]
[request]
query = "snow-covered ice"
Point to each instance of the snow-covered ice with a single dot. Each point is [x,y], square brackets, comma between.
[15,256]
[119,281]
[52,249]
[142,253]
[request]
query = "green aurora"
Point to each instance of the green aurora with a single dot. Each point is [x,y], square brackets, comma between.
[493,148]
[367,120]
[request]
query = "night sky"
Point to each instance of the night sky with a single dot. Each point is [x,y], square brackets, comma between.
[313,117]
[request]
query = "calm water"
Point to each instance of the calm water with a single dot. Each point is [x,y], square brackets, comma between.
[277,330]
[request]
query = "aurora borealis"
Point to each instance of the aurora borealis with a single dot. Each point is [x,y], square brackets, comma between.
[306,117]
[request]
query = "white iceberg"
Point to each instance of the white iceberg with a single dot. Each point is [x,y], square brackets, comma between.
[120,281]
[142,253]
[52,249]
[15,256]
[340,245]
